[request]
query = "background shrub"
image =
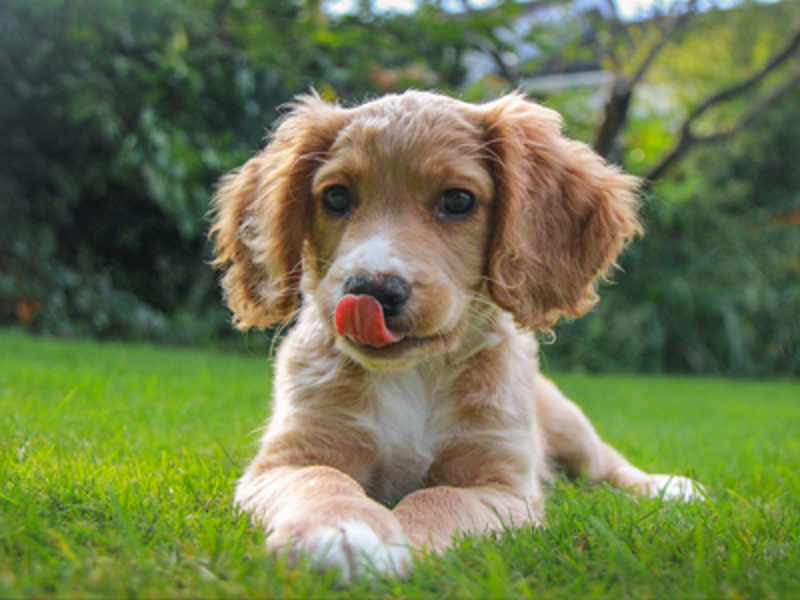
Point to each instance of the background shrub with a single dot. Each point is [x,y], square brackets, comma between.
[118,117]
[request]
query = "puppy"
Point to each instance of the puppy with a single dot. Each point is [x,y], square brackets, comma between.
[429,238]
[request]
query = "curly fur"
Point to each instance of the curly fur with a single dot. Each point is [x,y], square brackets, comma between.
[371,453]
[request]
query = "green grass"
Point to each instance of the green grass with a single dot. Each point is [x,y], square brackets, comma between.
[117,465]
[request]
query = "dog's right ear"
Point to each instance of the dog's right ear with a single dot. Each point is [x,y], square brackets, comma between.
[263,215]
[563,215]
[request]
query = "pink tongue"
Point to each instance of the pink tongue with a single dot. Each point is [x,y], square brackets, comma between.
[361,319]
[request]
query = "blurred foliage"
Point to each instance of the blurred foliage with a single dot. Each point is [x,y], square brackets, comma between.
[119,116]
[714,285]
[717,50]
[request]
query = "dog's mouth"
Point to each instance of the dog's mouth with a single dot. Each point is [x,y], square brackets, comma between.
[363,325]
[361,320]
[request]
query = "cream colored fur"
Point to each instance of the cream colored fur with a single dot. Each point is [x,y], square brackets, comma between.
[372,453]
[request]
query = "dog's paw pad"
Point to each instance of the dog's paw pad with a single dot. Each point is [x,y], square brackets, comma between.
[357,551]
[674,487]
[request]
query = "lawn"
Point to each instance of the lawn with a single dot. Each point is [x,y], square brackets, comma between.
[117,464]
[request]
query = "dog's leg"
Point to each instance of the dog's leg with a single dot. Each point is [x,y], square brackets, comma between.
[574,445]
[432,517]
[326,515]
[476,485]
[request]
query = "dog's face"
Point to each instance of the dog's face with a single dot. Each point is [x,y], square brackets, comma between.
[402,215]
[406,217]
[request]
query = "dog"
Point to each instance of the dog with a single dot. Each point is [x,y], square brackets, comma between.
[429,239]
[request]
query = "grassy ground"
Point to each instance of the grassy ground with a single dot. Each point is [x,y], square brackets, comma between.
[117,464]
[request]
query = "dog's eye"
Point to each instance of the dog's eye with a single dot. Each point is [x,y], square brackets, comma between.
[456,203]
[336,200]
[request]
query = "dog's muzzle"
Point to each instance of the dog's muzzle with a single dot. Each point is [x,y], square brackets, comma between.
[361,313]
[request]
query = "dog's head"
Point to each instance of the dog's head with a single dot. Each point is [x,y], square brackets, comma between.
[407,216]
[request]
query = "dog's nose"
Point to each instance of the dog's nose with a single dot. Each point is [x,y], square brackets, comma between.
[390,290]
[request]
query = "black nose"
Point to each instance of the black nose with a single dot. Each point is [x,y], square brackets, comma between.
[390,290]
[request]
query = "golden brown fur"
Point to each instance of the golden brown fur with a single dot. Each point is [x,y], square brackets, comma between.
[452,426]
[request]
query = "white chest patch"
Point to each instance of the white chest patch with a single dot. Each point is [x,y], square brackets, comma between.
[409,423]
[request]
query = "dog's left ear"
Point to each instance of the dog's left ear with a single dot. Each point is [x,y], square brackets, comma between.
[562,215]
[263,215]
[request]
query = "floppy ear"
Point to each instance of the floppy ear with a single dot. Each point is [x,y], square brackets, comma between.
[562,215]
[263,215]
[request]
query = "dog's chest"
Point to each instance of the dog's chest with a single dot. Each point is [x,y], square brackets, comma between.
[410,420]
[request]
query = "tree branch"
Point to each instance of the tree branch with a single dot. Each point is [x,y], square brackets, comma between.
[507,72]
[676,25]
[741,87]
[615,114]
[689,139]
[755,109]
[618,30]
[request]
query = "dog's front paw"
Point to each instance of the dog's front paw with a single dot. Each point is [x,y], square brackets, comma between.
[674,487]
[351,546]
[356,550]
